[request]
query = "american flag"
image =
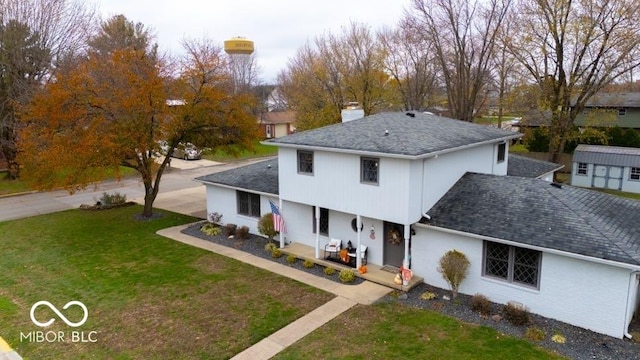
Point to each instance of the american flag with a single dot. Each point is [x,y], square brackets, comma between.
[278,220]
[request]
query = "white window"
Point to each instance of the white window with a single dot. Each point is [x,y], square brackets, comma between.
[502,152]
[622,112]
[369,170]
[305,162]
[512,264]
[635,173]
[582,169]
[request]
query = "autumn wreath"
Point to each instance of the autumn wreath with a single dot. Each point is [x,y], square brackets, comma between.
[394,237]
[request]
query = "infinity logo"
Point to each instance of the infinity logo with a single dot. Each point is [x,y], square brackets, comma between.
[62,317]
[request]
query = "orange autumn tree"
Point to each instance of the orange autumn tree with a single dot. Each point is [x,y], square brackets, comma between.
[112,111]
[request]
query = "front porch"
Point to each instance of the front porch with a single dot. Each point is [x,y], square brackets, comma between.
[374,273]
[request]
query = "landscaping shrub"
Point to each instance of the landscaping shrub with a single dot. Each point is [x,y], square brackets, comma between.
[308,264]
[214,217]
[454,266]
[242,233]
[276,253]
[265,226]
[534,334]
[329,271]
[211,229]
[113,199]
[269,247]
[291,259]
[516,314]
[428,296]
[230,229]
[347,275]
[559,338]
[480,304]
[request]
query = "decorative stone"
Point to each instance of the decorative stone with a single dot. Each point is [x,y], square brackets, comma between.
[403,296]
[496,318]
[445,297]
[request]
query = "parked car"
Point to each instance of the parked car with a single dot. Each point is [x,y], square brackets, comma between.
[187,151]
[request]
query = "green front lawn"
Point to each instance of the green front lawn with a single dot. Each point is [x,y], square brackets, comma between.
[394,331]
[227,154]
[148,297]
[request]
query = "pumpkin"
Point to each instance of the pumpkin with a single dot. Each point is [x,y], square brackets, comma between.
[362,269]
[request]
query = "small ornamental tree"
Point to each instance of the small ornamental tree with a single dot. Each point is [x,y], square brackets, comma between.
[265,226]
[454,266]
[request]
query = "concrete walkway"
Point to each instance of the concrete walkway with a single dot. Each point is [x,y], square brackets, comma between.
[347,296]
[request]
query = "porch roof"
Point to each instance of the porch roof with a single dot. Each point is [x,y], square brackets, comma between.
[537,213]
[261,177]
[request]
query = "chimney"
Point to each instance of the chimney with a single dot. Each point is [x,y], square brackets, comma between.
[352,112]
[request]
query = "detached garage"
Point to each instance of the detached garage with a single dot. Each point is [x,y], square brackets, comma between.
[606,167]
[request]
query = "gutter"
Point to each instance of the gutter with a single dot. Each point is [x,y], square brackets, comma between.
[237,188]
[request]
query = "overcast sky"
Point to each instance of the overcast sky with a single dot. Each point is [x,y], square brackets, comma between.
[277,27]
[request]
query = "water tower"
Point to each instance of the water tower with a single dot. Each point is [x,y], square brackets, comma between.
[243,69]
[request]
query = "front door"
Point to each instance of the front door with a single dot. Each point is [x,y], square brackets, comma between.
[393,244]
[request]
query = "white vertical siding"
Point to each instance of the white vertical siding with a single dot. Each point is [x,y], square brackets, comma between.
[581,180]
[582,293]
[223,201]
[442,172]
[335,184]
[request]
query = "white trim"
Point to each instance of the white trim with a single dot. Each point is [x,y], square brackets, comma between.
[238,188]
[389,155]
[533,247]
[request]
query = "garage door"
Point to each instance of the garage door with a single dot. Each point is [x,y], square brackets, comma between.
[607,177]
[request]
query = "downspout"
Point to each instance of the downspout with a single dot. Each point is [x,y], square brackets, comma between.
[317,213]
[359,230]
[281,214]
[626,312]
[406,235]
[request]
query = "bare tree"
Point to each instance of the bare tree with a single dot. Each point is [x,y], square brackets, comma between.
[245,71]
[36,37]
[339,69]
[411,63]
[572,49]
[463,34]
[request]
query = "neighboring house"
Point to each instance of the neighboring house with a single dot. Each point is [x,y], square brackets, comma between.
[274,124]
[606,167]
[611,109]
[413,186]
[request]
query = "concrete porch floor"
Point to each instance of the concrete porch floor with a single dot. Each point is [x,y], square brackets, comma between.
[374,271]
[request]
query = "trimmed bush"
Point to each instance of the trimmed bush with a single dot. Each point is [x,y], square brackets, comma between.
[113,199]
[329,271]
[428,296]
[276,253]
[265,226]
[291,259]
[454,266]
[230,229]
[480,304]
[534,334]
[211,229]
[308,264]
[242,233]
[515,314]
[269,247]
[347,276]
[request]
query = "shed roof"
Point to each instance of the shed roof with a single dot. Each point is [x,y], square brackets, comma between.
[534,212]
[261,177]
[607,155]
[401,134]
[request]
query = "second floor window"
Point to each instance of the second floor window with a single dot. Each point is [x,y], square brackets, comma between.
[369,170]
[305,162]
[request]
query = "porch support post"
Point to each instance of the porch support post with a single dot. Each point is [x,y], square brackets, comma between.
[407,234]
[317,213]
[281,214]
[359,230]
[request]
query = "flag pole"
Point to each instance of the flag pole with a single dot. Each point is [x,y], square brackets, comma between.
[281,214]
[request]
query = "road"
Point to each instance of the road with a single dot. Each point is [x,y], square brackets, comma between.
[178,192]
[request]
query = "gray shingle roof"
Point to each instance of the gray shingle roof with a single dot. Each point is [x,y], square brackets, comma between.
[615,100]
[607,155]
[536,213]
[527,167]
[261,176]
[408,136]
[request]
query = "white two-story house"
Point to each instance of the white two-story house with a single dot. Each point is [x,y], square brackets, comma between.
[412,186]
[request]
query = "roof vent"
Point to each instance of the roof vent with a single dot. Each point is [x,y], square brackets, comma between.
[410,114]
[556,185]
[269,166]
[386,132]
